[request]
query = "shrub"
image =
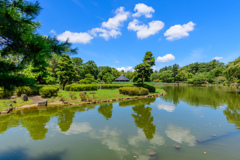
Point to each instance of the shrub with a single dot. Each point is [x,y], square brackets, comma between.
[82,95]
[157,80]
[132,91]
[26,90]
[72,96]
[81,87]
[4,94]
[151,89]
[111,86]
[48,91]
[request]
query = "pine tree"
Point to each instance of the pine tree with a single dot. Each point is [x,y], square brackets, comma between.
[65,70]
[143,71]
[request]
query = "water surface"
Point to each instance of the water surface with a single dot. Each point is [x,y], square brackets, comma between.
[130,129]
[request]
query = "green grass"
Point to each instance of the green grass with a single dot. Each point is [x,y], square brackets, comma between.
[103,94]
[4,103]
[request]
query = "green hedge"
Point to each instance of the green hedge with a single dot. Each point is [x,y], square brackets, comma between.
[151,89]
[81,87]
[26,90]
[132,91]
[48,91]
[111,86]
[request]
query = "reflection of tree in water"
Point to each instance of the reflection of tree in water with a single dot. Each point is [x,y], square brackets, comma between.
[232,112]
[65,119]
[106,110]
[36,126]
[198,96]
[144,120]
[35,120]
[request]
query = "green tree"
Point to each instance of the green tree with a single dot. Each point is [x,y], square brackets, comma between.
[166,76]
[65,70]
[106,75]
[143,71]
[232,71]
[175,68]
[19,39]
[87,80]
[90,67]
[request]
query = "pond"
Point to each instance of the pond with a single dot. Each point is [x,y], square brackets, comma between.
[188,123]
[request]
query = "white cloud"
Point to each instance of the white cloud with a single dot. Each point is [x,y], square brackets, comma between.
[144,31]
[78,128]
[180,135]
[179,31]
[130,68]
[106,34]
[166,58]
[81,37]
[53,32]
[116,22]
[157,140]
[142,9]
[218,58]
[166,107]
[117,62]
[154,68]
[111,28]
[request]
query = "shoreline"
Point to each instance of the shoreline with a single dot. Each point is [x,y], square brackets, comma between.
[65,104]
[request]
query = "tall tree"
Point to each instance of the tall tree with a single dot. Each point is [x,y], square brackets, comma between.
[19,39]
[106,75]
[232,71]
[143,71]
[65,70]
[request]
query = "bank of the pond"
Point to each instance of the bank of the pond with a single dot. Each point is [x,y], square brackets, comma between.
[64,99]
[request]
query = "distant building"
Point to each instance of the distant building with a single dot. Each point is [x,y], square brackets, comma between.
[122,78]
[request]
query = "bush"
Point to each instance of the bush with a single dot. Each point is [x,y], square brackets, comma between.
[73,96]
[81,87]
[26,90]
[157,80]
[132,91]
[151,89]
[48,91]
[111,86]
[4,94]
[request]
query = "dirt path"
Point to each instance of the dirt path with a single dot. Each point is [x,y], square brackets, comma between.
[35,99]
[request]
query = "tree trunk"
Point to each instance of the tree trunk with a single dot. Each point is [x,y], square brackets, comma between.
[101,84]
[64,85]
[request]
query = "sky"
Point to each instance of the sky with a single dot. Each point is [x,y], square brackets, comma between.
[118,33]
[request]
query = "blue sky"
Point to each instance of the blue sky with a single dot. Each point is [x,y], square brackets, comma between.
[117,33]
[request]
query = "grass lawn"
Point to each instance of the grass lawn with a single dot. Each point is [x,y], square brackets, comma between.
[103,94]
[4,103]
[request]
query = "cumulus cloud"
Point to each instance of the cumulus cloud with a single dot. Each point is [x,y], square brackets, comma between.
[140,139]
[179,31]
[218,58]
[77,128]
[166,58]
[106,34]
[81,37]
[111,28]
[142,9]
[53,32]
[130,68]
[116,21]
[166,107]
[180,135]
[144,31]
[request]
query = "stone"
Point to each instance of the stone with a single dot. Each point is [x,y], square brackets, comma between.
[9,105]
[152,154]
[113,99]
[61,99]
[177,146]
[13,101]
[42,103]
[24,97]
[53,97]
[214,135]
[12,97]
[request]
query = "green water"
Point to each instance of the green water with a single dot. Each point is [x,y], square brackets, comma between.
[129,130]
